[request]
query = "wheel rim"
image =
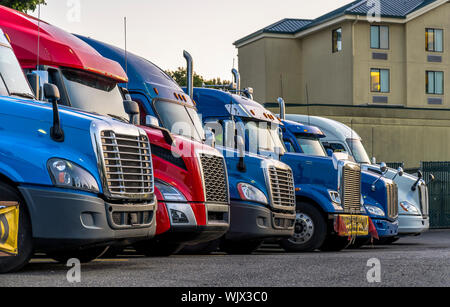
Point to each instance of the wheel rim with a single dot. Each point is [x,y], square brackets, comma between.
[304,229]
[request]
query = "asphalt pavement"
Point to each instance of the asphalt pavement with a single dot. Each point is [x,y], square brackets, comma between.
[412,261]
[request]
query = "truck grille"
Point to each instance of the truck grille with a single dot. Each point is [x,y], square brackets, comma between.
[351,188]
[423,197]
[392,200]
[216,181]
[128,165]
[282,186]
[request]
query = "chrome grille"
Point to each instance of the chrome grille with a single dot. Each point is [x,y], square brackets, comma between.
[128,165]
[282,188]
[392,200]
[351,188]
[423,197]
[215,178]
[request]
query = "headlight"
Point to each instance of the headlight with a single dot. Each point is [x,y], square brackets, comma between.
[249,192]
[169,192]
[68,175]
[409,208]
[374,210]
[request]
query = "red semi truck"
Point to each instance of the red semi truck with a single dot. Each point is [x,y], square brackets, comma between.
[190,177]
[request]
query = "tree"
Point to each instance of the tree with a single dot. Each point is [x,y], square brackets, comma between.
[23,5]
[179,76]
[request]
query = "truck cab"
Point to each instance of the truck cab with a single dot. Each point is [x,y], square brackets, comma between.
[379,194]
[412,190]
[54,196]
[187,173]
[252,217]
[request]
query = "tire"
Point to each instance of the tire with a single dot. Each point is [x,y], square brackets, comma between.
[334,243]
[239,247]
[310,230]
[25,239]
[205,248]
[154,248]
[84,255]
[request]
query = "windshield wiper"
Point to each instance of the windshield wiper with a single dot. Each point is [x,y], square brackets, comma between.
[24,95]
[123,119]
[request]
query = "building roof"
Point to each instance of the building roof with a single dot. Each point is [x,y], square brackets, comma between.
[389,9]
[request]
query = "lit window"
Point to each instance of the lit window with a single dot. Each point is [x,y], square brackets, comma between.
[435,82]
[379,37]
[379,80]
[337,40]
[434,40]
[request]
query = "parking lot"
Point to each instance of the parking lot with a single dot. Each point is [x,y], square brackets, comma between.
[413,261]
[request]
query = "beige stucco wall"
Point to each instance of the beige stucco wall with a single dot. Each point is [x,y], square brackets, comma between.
[417,62]
[363,63]
[393,135]
[252,68]
[328,75]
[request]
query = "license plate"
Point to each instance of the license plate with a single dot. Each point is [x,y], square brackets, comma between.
[9,228]
[355,225]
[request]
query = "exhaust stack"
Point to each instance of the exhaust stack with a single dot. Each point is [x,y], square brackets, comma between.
[237,79]
[282,108]
[189,74]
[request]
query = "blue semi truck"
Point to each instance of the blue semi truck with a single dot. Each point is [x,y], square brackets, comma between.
[258,210]
[53,194]
[328,191]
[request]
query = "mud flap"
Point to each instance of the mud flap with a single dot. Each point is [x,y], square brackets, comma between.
[9,228]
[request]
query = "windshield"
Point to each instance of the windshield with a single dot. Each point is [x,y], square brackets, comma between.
[310,146]
[358,151]
[94,93]
[263,137]
[14,82]
[180,119]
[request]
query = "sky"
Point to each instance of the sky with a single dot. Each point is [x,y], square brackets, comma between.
[160,30]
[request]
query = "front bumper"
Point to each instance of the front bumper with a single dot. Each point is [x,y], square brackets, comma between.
[72,219]
[255,222]
[205,222]
[412,225]
[385,228]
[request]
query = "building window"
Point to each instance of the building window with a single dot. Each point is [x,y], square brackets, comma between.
[337,40]
[379,37]
[435,82]
[379,80]
[434,40]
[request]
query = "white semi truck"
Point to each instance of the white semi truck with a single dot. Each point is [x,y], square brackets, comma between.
[412,190]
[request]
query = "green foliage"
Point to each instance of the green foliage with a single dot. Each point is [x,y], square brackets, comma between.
[23,5]
[179,76]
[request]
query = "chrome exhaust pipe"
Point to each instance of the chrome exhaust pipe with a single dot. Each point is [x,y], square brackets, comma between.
[282,108]
[189,73]
[237,79]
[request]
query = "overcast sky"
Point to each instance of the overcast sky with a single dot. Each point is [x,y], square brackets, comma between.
[160,30]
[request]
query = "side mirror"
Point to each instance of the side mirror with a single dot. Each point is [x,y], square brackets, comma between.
[35,84]
[419,174]
[419,177]
[51,92]
[330,152]
[383,167]
[431,178]
[132,109]
[400,171]
[151,121]
[210,138]
[241,153]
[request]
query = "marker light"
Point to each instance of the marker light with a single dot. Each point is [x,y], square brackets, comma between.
[156,91]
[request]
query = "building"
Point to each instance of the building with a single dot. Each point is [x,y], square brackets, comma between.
[388,78]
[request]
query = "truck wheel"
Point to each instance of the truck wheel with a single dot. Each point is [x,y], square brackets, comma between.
[25,241]
[205,248]
[310,230]
[239,247]
[84,255]
[155,248]
[334,244]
